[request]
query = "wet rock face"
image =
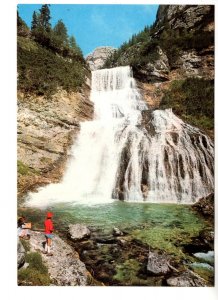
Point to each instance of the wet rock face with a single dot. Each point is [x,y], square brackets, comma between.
[169,167]
[97,58]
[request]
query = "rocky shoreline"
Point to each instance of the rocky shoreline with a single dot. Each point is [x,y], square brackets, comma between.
[65,267]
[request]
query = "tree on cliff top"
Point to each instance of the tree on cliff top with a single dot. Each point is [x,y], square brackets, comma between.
[60,34]
[45,17]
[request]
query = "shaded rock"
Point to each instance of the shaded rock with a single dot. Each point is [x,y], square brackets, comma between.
[158,263]
[205,206]
[106,240]
[186,279]
[20,254]
[78,232]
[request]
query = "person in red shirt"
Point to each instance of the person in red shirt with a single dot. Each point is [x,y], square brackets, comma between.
[49,228]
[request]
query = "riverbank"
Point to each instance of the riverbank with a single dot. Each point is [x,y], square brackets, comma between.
[130,244]
[64,268]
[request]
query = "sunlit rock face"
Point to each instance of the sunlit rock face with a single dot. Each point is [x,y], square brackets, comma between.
[97,58]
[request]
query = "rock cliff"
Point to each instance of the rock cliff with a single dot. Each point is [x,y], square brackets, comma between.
[187,49]
[46,129]
[97,58]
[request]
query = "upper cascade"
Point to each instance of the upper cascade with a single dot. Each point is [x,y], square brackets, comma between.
[115,94]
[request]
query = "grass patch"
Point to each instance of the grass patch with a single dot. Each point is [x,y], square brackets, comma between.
[23,169]
[36,274]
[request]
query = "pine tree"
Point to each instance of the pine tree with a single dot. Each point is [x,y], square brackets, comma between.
[60,32]
[45,17]
[74,47]
[35,21]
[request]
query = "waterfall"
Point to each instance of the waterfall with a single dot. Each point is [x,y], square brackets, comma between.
[131,153]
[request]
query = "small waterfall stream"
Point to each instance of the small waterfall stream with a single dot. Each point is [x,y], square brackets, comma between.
[131,153]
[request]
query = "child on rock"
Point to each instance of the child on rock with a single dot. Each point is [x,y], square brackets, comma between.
[49,228]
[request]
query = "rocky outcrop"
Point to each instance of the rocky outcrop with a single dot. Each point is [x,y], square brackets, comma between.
[184,16]
[78,232]
[158,263]
[97,58]
[205,206]
[186,279]
[64,267]
[155,71]
[46,128]
[189,61]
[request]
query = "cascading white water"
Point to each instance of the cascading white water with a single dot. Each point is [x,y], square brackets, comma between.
[118,156]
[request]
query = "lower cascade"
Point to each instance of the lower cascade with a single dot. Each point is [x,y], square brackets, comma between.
[131,153]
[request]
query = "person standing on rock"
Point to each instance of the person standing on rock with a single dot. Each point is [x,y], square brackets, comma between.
[49,228]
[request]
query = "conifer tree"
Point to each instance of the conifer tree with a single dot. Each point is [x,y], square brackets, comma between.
[60,32]
[45,17]
[35,21]
[74,47]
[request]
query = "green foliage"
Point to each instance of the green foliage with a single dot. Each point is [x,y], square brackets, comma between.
[35,21]
[22,168]
[138,51]
[193,100]
[127,272]
[60,33]
[48,59]
[45,17]
[75,49]
[42,72]
[173,41]
[36,274]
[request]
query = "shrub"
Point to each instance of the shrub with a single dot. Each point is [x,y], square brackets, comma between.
[193,100]
[42,72]
[36,274]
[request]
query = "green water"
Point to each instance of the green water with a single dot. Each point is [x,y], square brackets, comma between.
[167,227]
[124,215]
